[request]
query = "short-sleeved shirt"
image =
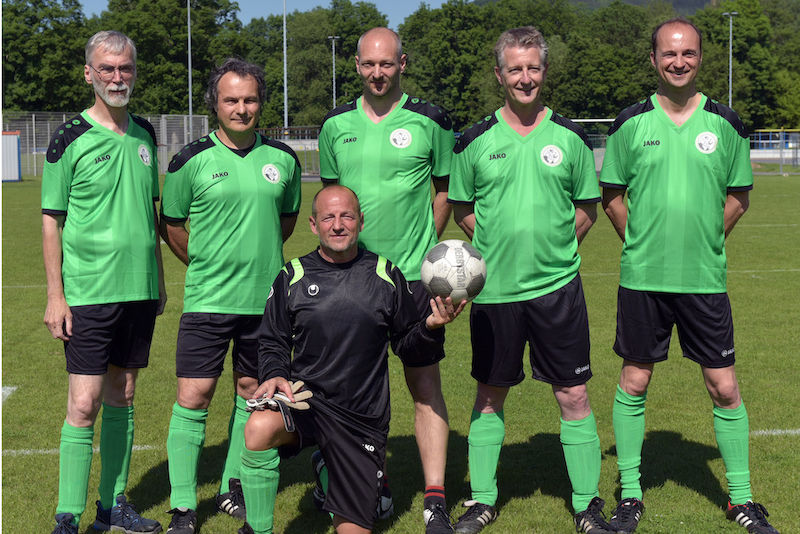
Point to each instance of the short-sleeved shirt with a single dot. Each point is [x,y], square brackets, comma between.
[524,191]
[330,325]
[234,203]
[390,165]
[105,184]
[677,180]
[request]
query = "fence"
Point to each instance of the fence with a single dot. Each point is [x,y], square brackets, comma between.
[36,128]
[776,147]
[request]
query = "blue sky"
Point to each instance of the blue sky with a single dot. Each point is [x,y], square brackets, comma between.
[396,10]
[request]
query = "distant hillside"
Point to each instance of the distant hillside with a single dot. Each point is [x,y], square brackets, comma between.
[684,7]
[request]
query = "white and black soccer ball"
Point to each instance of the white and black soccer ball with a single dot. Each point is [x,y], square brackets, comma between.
[453,268]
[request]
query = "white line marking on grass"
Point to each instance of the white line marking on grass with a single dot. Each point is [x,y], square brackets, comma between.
[29,452]
[769,225]
[7,391]
[36,286]
[777,432]
[731,271]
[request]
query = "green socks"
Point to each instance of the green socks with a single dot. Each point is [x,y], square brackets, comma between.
[260,475]
[581,447]
[75,462]
[233,461]
[732,429]
[486,434]
[116,442]
[629,433]
[187,434]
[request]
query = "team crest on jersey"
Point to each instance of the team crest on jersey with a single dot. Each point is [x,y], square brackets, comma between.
[313,289]
[400,138]
[706,142]
[271,173]
[144,155]
[552,156]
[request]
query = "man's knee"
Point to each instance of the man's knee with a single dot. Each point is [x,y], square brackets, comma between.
[196,393]
[425,384]
[265,430]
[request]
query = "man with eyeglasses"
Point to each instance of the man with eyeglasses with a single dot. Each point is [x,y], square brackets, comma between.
[105,282]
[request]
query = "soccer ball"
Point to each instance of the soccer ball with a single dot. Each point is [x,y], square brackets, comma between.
[453,269]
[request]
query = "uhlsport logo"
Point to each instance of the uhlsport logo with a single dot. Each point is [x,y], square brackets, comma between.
[271,173]
[313,289]
[706,142]
[144,155]
[552,156]
[400,138]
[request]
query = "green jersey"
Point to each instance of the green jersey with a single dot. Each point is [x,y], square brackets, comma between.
[390,166]
[234,201]
[524,191]
[677,179]
[105,184]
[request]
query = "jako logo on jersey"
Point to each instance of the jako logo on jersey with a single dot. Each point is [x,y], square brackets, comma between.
[219,175]
[313,289]
[350,140]
[368,447]
[655,142]
[502,155]
[579,370]
[552,156]
[727,352]
[400,138]
[271,173]
[102,158]
[144,155]
[706,142]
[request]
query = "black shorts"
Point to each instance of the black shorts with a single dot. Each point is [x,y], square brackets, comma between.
[423,301]
[645,320]
[354,453]
[203,341]
[555,325]
[119,333]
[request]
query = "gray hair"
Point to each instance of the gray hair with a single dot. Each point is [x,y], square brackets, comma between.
[242,69]
[111,40]
[394,34]
[524,37]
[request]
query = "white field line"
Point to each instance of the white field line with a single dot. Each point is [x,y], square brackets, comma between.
[30,452]
[7,391]
[36,286]
[776,432]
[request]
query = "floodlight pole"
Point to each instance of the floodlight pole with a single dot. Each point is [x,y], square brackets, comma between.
[189,43]
[333,62]
[285,86]
[730,15]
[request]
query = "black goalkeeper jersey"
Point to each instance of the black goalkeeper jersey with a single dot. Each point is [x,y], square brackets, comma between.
[339,319]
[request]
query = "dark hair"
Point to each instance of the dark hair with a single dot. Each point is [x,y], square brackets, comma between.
[676,20]
[242,69]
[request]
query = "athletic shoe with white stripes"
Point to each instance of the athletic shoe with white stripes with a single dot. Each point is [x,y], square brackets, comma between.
[627,515]
[592,520]
[232,502]
[123,517]
[477,516]
[65,525]
[752,516]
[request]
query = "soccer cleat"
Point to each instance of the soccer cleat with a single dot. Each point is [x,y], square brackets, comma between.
[232,502]
[475,518]
[65,525]
[627,515]
[752,516]
[123,517]
[317,464]
[592,520]
[437,520]
[183,521]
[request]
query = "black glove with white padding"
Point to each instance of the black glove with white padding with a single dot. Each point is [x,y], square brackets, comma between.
[281,403]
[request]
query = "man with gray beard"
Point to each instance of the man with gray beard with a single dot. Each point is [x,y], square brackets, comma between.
[105,282]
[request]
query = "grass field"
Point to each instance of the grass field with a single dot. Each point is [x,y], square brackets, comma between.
[683,475]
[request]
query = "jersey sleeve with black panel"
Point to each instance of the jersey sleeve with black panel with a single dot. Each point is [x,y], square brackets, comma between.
[677,180]
[105,184]
[234,201]
[390,166]
[524,191]
[339,320]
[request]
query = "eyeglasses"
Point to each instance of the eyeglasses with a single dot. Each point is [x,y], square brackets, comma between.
[106,72]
